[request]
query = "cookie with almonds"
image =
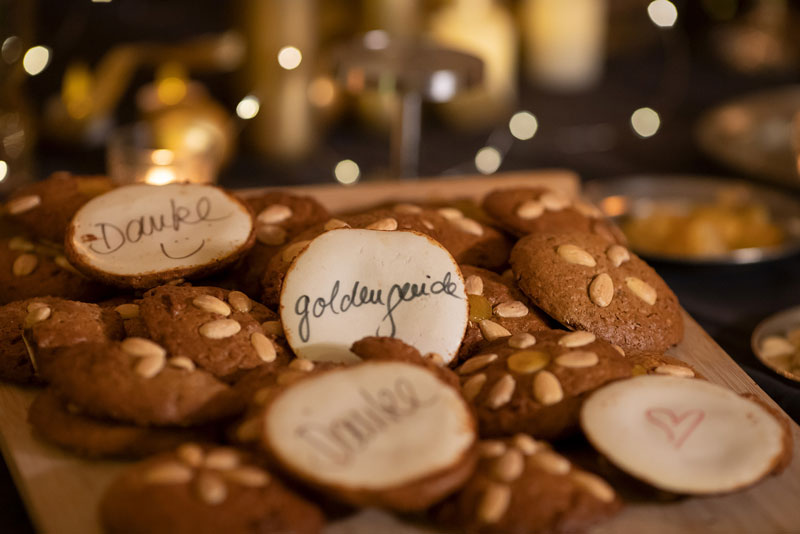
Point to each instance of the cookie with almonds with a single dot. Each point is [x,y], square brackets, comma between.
[204,489]
[529,210]
[586,283]
[521,485]
[535,382]
[496,309]
[62,424]
[31,269]
[46,207]
[656,363]
[220,331]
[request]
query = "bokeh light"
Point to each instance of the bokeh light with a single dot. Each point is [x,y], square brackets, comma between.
[645,122]
[523,125]
[663,13]
[248,107]
[488,160]
[36,60]
[347,172]
[289,57]
[3,170]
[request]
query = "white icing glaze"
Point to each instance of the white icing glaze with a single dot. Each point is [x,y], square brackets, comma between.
[145,228]
[349,284]
[373,426]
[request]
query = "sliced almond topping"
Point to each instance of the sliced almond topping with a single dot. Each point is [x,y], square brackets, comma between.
[263,347]
[641,289]
[521,341]
[595,485]
[601,290]
[291,252]
[24,265]
[407,208]
[577,359]
[64,263]
[494,503]
[530,209]
[240,302]
[427,224]
[586,209]
[20,244]
[274,214]
[23,204]
[211,488]
[579,338]
[492,330]
[388,224]
[220,329]
[301,364]
[509,466]
[546,388]
[182,362]
[212,304]
[575,255]
[550,461]
[526,444]
[450,214]
[474,285]
[270,234]
[37,315]
[150,366]
[553,201]
[191,454]
[141,347]
[491,448]
[472,387]
[618,255]
[249,476]
[512,308]
[222,459]
[475,363]
[527,361]
[469,226]
[619,349]
[674,370]
[335,224]
[128,310]
[501,392]
[272,328]
[168,473]
[33,305]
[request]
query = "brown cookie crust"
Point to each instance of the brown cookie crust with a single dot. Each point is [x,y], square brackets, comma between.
[527,388]
[15,362]
[561,288]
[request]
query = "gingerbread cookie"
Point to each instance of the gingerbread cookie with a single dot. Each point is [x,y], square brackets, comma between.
[529,210]
[45,208]
[379,433]
[63,424]
[586,283]
[536,382]
[203,489]
[496,309]
[140,235]
[521,485]
[655,363]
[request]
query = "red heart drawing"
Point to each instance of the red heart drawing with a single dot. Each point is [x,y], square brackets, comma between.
[668,421]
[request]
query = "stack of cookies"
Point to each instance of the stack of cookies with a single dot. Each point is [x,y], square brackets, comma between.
[273,366]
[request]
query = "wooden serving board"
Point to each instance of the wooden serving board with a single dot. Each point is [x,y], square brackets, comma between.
[61,491]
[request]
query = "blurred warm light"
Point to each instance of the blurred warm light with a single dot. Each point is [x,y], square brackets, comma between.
[663,13]
[171,83]
[442,86]
[11,49]
[321,91]
[289,57]
[162,156]
[101,1]
[614,206]
[376,40]
[248,107]
[523,125]
[488,160]
[3,170]
[645,122]
[76,90]
[347,172]
[36,60]
[159,176]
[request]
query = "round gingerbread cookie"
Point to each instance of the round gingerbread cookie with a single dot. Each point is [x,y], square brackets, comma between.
[585,282]
[378,433]
[45,208]
[30,269]
[535,382]
[521,485]
[496,309]
[530,210]
[204,490]
[62,424]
